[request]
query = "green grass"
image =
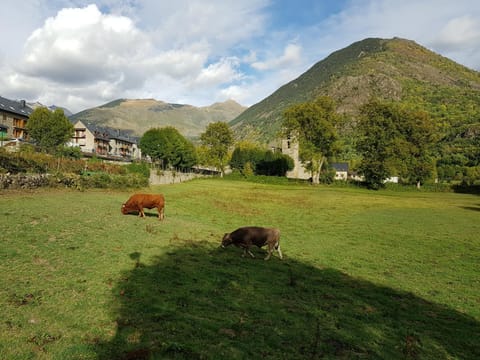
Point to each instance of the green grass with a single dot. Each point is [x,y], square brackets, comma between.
[378,275]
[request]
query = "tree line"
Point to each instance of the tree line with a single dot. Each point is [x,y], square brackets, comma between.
[169,148]
[390,139]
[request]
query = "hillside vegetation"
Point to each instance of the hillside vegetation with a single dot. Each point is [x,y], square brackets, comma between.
[393,69]
[141,115]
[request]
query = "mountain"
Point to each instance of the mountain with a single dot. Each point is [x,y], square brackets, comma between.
[141,115]
[393,69]
[51,107]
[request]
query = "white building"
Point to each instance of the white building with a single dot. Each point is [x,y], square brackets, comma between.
[105,142]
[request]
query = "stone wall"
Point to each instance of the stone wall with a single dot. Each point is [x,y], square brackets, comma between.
[23,181]
[171,177]
[32,181]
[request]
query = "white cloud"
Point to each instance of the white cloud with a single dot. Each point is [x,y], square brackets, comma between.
[218,73]
[77,55]
[83,45]
[162,49]
[220,22]
[460,32]
[291,56]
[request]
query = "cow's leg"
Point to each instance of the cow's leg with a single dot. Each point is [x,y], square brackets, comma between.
[279,251]
[269,252]
[161,213]
[141,213]
[247,250]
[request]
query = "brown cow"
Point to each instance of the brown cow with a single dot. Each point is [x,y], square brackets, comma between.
[253,235]
[138,202]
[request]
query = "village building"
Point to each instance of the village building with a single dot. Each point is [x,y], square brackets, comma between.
[13,120]
[105,142]
[341,170]
[291,147]
[111,144]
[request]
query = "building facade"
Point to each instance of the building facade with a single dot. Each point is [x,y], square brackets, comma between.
[13,119]
[291,147]
[105,142]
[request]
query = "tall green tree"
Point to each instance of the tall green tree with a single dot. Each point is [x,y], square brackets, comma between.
[49,130]
[417,130]
[376,133]
[395,140]
[217,140]
[312,124]
[168,146]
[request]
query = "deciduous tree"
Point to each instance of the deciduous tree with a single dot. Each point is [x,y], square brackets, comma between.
[394,140]
[217,139]
[168,146]
[313,126]
[49,130]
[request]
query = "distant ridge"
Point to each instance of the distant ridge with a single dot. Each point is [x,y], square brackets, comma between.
[50,107]
[140,115]
[394,69]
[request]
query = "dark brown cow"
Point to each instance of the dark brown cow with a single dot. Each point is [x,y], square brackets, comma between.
[138,202]
[253,235]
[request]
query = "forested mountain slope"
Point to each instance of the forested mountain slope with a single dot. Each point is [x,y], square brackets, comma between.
[393,69]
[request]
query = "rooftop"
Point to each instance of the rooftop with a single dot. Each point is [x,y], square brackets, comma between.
[15,107]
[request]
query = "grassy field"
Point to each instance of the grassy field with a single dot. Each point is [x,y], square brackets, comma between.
[377,275]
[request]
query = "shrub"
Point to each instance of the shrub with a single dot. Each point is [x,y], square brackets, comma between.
[141,168]
[69,152]
[327,176]
[75,173]
[95,180]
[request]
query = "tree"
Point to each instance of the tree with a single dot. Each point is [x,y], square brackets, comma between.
[248,157]
[217,139]
[169,147]
[274,164]
[49,130]
[246,153]
[376,132]
[417,131]
[313,126]
[394,140]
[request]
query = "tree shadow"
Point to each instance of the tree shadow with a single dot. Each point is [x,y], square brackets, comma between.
[473,208]
[467,189]
[201,302]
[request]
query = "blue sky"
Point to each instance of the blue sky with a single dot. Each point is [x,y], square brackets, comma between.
[81,54]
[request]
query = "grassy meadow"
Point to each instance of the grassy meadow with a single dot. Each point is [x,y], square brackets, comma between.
[376,275]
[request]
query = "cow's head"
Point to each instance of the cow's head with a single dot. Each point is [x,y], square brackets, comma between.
[227,240]
[124,209]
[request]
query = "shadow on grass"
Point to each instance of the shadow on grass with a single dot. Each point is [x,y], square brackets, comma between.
[473,208]
[467,189]
[146,212]
[201,302]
